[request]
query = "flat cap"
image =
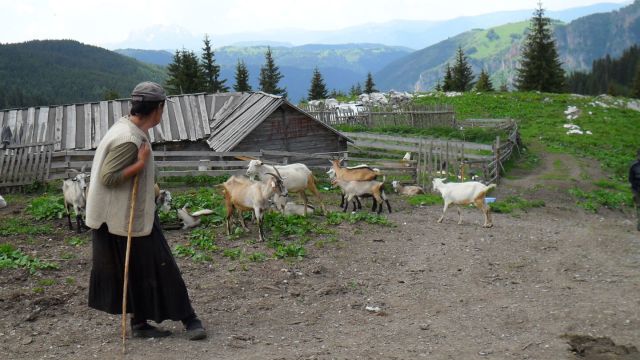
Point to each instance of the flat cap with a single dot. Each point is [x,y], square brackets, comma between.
[148,91]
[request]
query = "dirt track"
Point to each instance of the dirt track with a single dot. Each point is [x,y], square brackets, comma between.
[437,291]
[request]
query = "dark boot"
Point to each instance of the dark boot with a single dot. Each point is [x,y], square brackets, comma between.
[194,328]
[145,331]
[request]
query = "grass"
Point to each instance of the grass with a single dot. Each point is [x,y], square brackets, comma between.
[46,207]
[22,226]
[513,203]
[76,241]
[477,134]
[12,258]
[425,199]
[607,198]
[336,218]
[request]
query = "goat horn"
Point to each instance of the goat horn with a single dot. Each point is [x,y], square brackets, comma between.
[277,172]
[275,176]
[83,167]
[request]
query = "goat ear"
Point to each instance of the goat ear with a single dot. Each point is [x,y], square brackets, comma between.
[83,167]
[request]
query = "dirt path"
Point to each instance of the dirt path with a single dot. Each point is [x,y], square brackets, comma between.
[416,290]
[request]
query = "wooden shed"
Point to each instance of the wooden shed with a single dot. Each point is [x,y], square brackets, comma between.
[219,122]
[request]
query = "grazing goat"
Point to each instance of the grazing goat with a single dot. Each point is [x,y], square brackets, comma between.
[286,207]
[352,189]
[465,193]
[191,220]
[3,203]
[355,173]
[406,190]
[297,178]
[75,195]
[243,194]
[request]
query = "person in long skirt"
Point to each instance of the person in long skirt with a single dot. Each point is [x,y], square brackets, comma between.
[156,290]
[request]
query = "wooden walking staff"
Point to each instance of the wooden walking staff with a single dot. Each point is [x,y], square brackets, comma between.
[134,192]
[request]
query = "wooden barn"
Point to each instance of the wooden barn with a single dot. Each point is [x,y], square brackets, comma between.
[217,122]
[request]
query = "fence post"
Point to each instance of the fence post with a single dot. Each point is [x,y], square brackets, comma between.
[497,153]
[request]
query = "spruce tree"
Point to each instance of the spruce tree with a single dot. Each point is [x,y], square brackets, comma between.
[484,83]
[369,85]
[242,78]
[438,86]
[270,76]
[318,88]
[461,72]
[210,70]
[447,83]
[540,68]
[185,74]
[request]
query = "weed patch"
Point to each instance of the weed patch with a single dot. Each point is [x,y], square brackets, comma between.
[513,203]
[46,207]
[593,200]
[21,226]
[76,241]
[336,218]
[425,200]
[12,258]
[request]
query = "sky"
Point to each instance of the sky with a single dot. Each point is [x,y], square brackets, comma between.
[104,22]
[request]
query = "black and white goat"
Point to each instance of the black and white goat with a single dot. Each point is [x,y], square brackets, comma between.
[74,190]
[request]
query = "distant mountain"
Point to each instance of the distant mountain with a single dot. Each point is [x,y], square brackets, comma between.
[415,34]
[65,71]
[498,49]
[341,65]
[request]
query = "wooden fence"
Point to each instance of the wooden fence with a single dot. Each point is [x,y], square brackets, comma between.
[407,115]
[25,164]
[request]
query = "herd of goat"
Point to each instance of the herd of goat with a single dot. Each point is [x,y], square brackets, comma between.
[267,186]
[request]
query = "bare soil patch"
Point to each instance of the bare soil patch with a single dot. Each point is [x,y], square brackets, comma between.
[416,290]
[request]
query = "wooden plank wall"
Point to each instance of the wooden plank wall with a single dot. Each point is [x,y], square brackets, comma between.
[25,164]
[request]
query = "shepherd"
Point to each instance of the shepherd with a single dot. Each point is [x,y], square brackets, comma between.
[155,289]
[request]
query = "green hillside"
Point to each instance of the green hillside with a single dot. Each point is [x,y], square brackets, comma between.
[541,118]
[65,71]
[498,49]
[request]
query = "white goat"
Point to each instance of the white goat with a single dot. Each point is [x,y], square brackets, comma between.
[286,207]
[297,178]
[191,220]
[3,203]
[163,200]
[75,195]
[353,189]
[243,194]
[409,190]
[465,193]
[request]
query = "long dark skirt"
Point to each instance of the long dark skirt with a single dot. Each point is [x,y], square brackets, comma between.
[156,290]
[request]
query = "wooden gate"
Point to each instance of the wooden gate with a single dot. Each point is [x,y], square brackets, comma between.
[25,164]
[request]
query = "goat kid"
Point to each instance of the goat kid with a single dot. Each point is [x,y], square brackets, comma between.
[354,173]
[243,194]
[191,220]
[74,190]
[297,178]
[286,207]
[409,190]
[465,193]
[373,188]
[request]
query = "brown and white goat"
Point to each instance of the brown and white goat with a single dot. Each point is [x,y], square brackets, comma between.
[465,193]
[408,190]
[352,189]
[243,194]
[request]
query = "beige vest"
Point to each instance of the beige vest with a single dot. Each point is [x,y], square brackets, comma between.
[111,205]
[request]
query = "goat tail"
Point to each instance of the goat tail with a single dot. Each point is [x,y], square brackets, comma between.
[490,186]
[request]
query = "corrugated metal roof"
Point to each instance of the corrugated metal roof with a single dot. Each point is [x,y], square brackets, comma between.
[224,119]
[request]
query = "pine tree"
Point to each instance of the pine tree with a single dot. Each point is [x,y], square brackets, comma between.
[318,88]
[210,70]
[438,86]
[635,88]
[461,72]
[484,83]
[369,85]
[540,67]
[242,78]
[185,74]
[270,76]
[356,90]
[447,83]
